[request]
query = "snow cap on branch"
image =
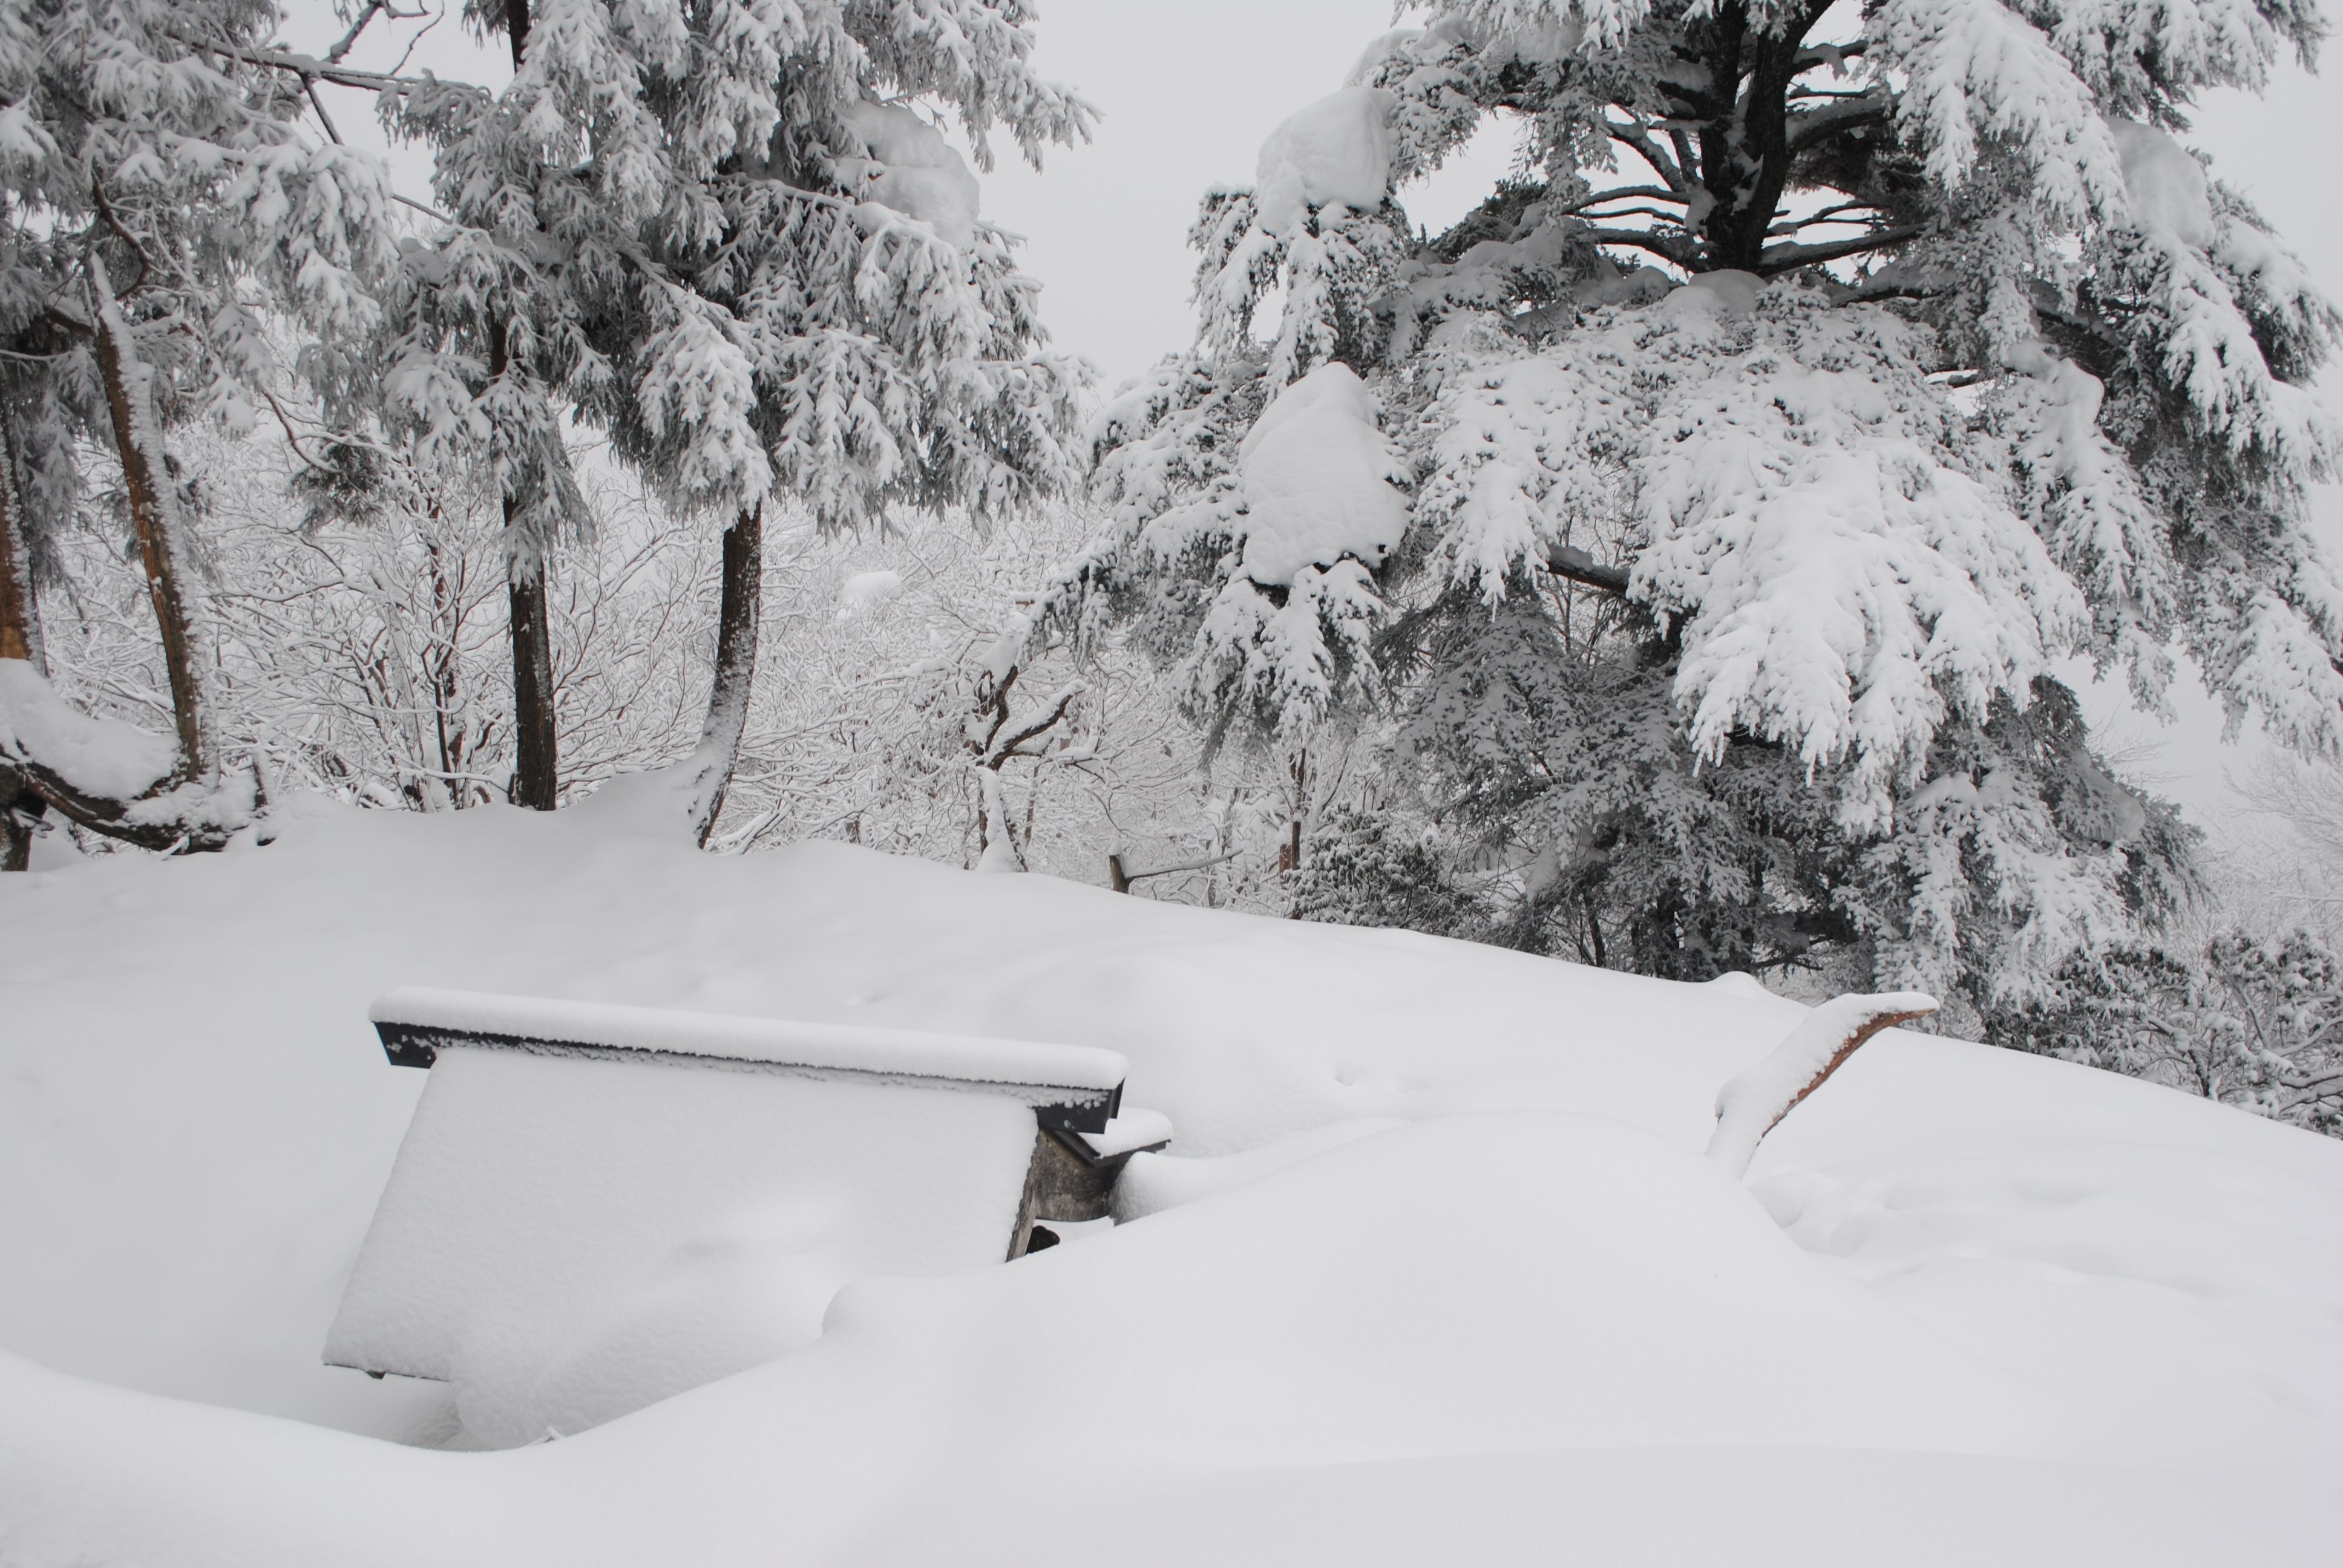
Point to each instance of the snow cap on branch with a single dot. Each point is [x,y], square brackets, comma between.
[901,161]
[1336,151]
[1318,479]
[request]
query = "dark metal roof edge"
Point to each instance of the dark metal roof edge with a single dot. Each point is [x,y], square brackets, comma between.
[1064,1106]
[1083,1151]
[380,1371]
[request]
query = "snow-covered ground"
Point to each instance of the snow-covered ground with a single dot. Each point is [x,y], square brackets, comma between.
[1969,1306]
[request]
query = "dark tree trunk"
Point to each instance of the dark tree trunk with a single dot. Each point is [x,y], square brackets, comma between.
[1741,104]
[738,618]
[18,804]
[19,637]
[537,776]
[537,767]
[19,808]
[29,787]
[130,399]
[516,28]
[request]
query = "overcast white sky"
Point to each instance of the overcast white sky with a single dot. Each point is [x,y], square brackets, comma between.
[1187,89]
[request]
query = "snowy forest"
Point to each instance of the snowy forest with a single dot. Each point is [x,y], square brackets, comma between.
[1247,782]
[1684,562]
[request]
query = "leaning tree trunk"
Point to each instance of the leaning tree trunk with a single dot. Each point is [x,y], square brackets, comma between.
[129,383]
[186,808]
[19,634]
[738,620]
[18,803]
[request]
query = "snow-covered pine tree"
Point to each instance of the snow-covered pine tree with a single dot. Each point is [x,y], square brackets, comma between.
[847,330]
[733,237]
[166,223]
[1716,498]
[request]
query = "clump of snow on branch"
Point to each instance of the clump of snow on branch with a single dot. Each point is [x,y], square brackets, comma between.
[1980,76]
[1317,480]
[1336,151]
[867,590]
[1304,515]
[2166,186]
[905,164]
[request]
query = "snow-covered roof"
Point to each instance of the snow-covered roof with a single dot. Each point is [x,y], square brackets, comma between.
[1073,1088]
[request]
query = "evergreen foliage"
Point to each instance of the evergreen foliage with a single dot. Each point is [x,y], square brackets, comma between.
[733,237]
[2250,1021]
[1819,380]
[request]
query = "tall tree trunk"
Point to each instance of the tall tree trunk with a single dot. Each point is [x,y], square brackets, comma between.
[517,29]
[738,620]
[20,636]
[205,817]
[1288,854]
[153,518]
[18,804]
[537,777]
[537,767]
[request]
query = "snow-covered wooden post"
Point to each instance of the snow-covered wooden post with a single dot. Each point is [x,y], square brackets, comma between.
[1753,1101]
[563,1151]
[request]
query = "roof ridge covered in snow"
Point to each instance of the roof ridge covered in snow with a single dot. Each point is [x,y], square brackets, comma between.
[1077,1087]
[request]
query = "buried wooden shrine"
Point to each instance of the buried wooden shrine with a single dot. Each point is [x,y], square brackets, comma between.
[565,1154]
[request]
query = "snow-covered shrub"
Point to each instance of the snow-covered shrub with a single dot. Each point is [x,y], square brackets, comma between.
[2250,1021]
[1365,868]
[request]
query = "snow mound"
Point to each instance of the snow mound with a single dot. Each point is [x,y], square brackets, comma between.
[1336,151]
[655,803]
[867,590]
[1152,1182]
[1727,291]
[1318,479]
[1474,1284]
[1344,1344]
[895,158]
[106,757]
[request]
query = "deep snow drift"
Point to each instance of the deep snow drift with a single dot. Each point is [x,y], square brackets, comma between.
[1444,1273]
